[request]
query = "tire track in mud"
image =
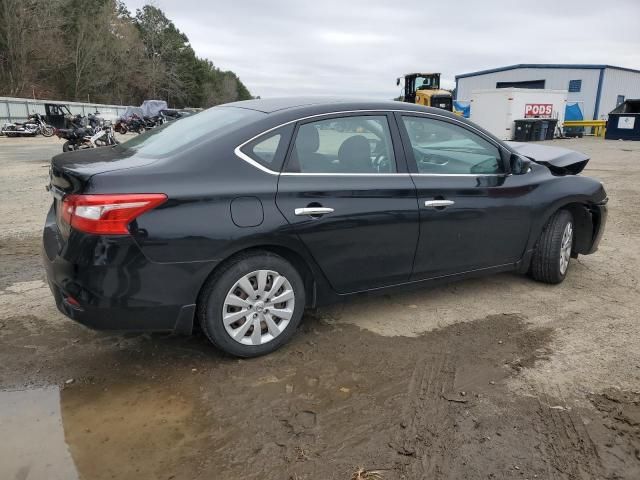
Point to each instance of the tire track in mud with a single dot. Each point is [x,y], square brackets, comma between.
[426,426]
[569,447]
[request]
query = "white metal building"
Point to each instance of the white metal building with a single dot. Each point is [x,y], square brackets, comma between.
[596,89]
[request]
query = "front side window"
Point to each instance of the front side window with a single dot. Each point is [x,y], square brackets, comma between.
[355,144]
[444,148]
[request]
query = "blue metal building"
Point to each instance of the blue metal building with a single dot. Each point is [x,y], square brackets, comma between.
[593,90]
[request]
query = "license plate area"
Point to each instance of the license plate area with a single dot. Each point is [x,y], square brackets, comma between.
[58,206]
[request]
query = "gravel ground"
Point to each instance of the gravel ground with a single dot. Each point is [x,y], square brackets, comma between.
[498,377]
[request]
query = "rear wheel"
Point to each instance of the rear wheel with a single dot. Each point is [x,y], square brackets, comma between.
[68,147]
[550,261]
[253,305]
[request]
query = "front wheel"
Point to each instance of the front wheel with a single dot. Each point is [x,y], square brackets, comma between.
[47,131]
[550,261]
[68,147]
[252,306]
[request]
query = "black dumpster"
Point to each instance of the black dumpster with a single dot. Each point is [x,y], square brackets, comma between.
[551,128]
[534,129]
[523,129]
[624,121]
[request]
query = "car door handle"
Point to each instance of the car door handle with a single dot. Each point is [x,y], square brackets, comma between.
[438,203]
[313,210]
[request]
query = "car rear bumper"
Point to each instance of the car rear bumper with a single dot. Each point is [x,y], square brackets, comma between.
[106,283]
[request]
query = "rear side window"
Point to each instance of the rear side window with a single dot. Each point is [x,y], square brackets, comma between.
[186,132]
[354,144]
[266,150]
[270,149]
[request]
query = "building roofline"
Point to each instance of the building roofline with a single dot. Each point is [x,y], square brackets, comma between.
[545,65]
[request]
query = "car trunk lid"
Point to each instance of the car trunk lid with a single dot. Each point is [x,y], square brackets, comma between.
[72,171]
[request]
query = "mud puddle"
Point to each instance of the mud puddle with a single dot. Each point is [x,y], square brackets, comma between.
[336,400]
[33,445]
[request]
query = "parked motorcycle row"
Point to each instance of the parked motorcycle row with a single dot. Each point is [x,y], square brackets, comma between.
[34,125]
[92,131]
[138,123]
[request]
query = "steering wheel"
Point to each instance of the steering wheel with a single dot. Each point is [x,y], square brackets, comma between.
[379,155]
[431,158]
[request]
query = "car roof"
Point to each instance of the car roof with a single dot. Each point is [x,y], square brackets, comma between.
[318,105]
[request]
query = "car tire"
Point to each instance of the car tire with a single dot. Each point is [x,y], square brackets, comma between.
[230,313]
[550,262]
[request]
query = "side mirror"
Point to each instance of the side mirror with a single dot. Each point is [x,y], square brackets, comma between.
[398,81]
[519,165]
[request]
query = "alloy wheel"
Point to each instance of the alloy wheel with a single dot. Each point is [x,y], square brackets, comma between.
[258,307]
[565,247]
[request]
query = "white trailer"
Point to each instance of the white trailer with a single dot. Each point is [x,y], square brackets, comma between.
[496,110]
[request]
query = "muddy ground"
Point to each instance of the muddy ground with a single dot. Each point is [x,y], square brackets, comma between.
[492,378]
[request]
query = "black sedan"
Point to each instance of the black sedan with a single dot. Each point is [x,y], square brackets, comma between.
[239,217]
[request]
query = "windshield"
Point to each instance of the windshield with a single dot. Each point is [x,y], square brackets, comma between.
[429,81]
[188,131]
[423,82]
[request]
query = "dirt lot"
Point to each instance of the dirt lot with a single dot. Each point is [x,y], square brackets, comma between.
[493,378]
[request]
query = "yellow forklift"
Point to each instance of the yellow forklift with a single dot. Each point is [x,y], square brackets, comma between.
[424,89]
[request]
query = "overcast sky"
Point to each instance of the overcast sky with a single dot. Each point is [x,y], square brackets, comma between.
[355,47]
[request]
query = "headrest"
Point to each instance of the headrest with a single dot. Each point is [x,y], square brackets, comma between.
[308,139]
[354,147]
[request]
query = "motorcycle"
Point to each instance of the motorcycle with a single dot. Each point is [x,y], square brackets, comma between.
[86,133]
[34,125]
[109,137]
[133,123]
[153,122]
[137,124]
[121,126]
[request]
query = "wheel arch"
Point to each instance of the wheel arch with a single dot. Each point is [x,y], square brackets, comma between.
[582,221]
[309,272]
[582,227]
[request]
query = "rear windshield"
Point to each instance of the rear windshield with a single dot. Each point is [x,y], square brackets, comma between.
[186,132]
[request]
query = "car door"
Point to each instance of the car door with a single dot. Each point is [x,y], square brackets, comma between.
[346,193]
[473,213]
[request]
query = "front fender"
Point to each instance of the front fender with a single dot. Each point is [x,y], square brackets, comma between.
[578,194]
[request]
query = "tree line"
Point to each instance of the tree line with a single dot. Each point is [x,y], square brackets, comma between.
[98,51]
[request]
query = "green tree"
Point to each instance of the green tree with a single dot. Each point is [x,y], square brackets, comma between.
[79,49]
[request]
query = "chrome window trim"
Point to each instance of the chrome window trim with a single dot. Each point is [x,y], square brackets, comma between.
[474,175]
[243,156]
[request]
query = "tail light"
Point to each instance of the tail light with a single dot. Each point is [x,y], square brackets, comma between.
[107,214]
